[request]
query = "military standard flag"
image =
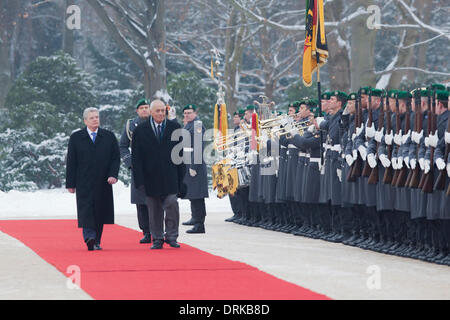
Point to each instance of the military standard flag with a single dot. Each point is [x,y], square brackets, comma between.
[315,53]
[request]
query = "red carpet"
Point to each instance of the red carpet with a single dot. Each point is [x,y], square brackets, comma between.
[125,269]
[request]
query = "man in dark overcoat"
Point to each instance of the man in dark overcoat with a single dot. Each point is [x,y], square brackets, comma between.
[137,195]
[158,167]
[93,162]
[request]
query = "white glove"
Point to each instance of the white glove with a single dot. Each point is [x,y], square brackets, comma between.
[413,163]
[385,161]
[405,137]
[406,161]
[192,172]
[319,120]
[371,160]
[359,130]
[394,163]
[349,159]
[172,113]
[448,169]
[399,162]
[447,137]
[355,154]
[440,163]
[311,128]
[388,138]
[426,166]
[363,152]
[427,144]
[379,135]
[433,140]
[370,131]
[354,136]
[422,164]
[415,137]
[398,138]
[339,174]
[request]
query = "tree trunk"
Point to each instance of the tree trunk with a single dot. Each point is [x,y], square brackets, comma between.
[155,74]
[362,64]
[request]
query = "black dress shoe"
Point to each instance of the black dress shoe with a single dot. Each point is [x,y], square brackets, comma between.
[172,243]
[146,239]
[157,244]
[188,223]
[197,229]
[97,247]
[90,244]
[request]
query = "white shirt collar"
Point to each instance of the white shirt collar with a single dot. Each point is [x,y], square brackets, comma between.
[90,132]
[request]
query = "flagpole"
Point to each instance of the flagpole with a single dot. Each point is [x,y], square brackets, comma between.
[319,89]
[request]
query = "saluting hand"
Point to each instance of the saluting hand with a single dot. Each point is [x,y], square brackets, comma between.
[112,180]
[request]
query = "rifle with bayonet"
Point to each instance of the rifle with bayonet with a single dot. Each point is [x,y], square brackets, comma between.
[367,169]
[373,178]
[418,119]
[429,177]
[403,174]
[355,170]
[387,178]
[397,133]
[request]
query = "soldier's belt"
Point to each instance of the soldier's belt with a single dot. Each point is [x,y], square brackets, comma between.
[317,160]
[303,154]
[336,147]
[291,146]
[283,147]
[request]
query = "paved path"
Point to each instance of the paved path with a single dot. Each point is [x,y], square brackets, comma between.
[336,270]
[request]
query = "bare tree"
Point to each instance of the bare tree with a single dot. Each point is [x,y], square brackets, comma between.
[138,28]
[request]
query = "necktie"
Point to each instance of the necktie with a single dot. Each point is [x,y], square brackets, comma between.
[159,132]
[94,135]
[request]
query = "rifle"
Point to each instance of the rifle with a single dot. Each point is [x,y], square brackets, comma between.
[387,178]
[355,170]
[422,179]
[397,132]
[440,182]
[373,178]
[402,176]
[367,169]
[429,177]
[415,174]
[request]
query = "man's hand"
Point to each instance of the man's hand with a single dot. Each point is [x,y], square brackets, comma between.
[71,190]
[192,172]
[112,180]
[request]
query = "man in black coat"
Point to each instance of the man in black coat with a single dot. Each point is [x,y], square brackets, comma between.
[196,177]
[159,168]
[93,162]
[137,195]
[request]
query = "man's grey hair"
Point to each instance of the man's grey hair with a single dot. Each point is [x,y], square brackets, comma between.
[155,103]
[89,110]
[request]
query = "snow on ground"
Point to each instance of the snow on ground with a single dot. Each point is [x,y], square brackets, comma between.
[60,203]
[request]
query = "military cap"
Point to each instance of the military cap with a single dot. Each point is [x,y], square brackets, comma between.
[442,95]
[365,90]
[250,107]
[377,92]
[392,93]
[404,95]
[352,96]
[241,112]
[326,95]
[313,102]
[437,86]
[190,107]
[141,102]
[339,94]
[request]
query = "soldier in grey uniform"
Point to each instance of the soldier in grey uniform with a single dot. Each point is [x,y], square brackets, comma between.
[196,176]
[137,195]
